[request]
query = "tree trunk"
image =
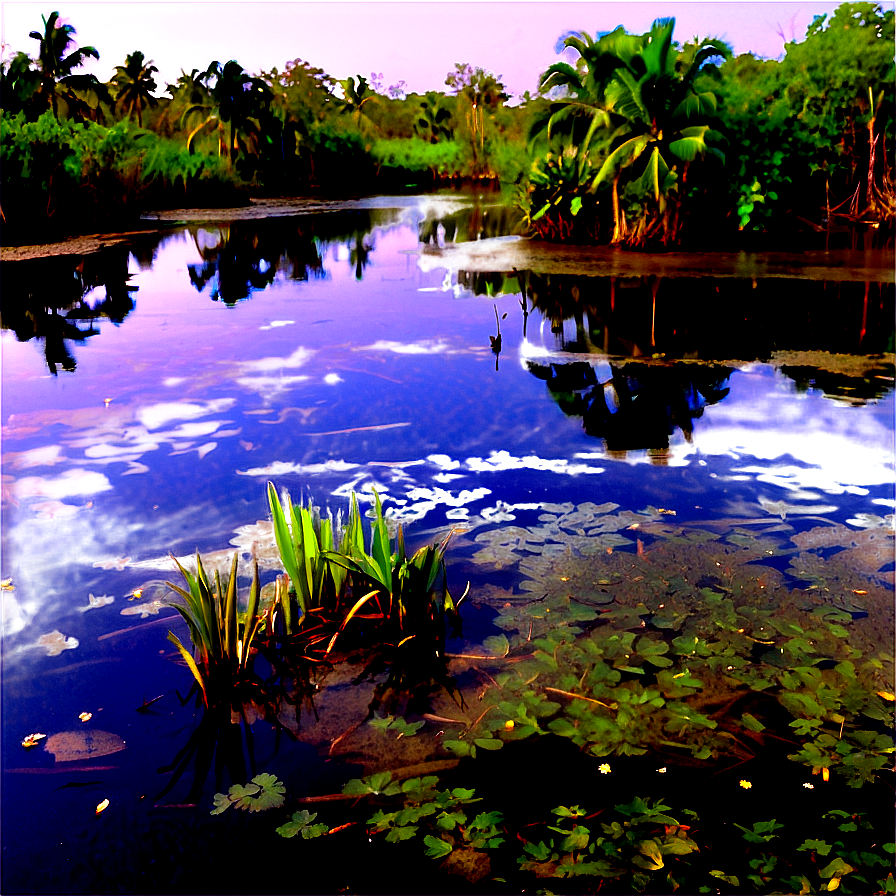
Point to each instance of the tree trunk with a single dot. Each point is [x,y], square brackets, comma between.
[616,228]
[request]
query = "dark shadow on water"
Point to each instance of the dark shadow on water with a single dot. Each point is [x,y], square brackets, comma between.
[47,299]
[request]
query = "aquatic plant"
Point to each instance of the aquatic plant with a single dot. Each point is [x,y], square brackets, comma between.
[689,643]
[263,792]
[641,845]
[305,542]
[222,644]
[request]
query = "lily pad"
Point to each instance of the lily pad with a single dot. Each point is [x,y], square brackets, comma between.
[78,746]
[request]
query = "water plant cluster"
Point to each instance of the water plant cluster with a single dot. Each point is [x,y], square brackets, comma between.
[627,651]
[263,655]
[678,657]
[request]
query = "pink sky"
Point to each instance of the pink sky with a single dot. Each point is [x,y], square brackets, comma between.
[418,42]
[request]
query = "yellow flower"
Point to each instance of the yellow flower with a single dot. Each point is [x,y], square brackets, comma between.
[745,784]
[604,769]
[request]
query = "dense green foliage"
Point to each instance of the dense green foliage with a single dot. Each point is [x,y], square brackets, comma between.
[641,142]
[646,140]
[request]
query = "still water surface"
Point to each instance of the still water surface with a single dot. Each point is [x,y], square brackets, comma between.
[328,353]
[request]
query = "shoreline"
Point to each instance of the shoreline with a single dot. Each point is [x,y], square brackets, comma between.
[503,253]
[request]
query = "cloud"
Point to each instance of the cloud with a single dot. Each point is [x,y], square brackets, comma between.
[283,468]
[155,415]
[263,365]
[71,483]
[426,347]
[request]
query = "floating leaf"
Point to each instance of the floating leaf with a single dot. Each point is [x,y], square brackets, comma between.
[32,740]
[151,608]
[301,824]
[55,642]
[102,807]
[79,746]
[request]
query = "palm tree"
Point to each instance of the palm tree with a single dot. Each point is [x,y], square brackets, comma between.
[653,99]
[60,89]
[235,98]
[630,98]
[432,118]
[134,85]
[239,97]
[354,99]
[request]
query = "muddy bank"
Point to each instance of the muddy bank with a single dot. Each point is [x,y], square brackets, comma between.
[256,210]
[507,254]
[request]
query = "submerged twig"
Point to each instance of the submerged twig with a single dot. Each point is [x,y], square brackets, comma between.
[579,697]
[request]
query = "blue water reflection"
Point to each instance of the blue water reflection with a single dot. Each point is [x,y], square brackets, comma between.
[320,353]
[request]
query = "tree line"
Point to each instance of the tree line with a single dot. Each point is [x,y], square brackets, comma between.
[637,141]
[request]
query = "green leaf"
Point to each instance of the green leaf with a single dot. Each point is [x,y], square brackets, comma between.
[222,803]
[575,206]
[436,847]
[488,743]
[751,722]
[836,868]
[818,846]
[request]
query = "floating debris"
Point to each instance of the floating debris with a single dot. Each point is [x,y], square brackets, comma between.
[118,563]
[102,806]
[78,746]
[94,602]
[32,740]
[150,608]
[55,642]
[85,716]
[7,585]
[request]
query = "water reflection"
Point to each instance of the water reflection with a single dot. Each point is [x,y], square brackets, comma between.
[633,406]
[706,318]
[57,300]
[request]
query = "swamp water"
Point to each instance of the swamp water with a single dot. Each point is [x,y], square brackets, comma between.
[672,497]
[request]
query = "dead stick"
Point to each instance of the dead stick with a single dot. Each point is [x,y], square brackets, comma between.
[339,432]
[578,697]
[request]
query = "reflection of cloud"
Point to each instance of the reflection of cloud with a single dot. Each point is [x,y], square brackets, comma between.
[268,384]
[118,452]
[498,461]
[70,484]
[13,616]
[282,468]
[155,415]
[331,379]
[426,347]
[45,456]
[840,459]
[48,510]
[264,365]
[817,444]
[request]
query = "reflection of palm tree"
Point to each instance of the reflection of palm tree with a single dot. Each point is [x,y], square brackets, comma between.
[60,89]
[134,85]
[634,406]
[359,254]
